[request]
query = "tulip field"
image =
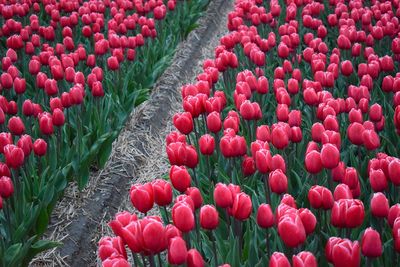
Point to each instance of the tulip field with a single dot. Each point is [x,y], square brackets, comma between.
[71,73]
[286,149]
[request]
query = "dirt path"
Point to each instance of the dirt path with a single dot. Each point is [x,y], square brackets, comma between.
[80,219]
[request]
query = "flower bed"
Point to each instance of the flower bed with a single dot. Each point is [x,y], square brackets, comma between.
[285,153]
[72,71]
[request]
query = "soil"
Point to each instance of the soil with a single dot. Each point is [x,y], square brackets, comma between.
[80,219]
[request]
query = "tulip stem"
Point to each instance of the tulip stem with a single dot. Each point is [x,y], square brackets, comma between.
[368,262]
[267,243]
[143,259]
[151,260]
[267,191]
[166,214]
[214,247]
[159,260]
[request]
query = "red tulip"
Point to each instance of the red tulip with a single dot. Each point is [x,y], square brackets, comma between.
[304,259]
[214,123]
[58,117]
[379,205]
[320,197]
[242,207]
[183,218]
[354,133]
[16,126]
[371,244]
[46,123]
[394,171]
[183,122]
[195,195]
[209,217]
[142,197]
[308,219]
[347,213]
[342,252]
[278,182]
[177,251]
[154,239]
[6,187]
[330,156]
[40,147]
[222,196]
[265,216]
[279,138]
[291,229]
[180,178]
[194,259]
[162,192]
[109,246]
[278,259]
[263,160]
[313,162]
[346,68]
[206,144]
[14,156]
[394,213]
[378,180]
[113,262]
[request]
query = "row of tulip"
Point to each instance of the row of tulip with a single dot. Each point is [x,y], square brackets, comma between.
[286,152]
[71,72]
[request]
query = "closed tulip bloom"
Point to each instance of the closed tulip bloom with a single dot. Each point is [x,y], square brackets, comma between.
[379,205]
[342,191]
[371,244]
[14,156]
[112,63]
[248,166]
[304,259]
[371,139]
[195,195]
[330,156]
[278,182]
[183,122]
[6,187]
[194,258]
[263,160]
[207,144]
[19,85]
[16,126]
[378,180]
[313,162]
[162,192]
[142,197]
[347,213]
[346,68]
[209,217]
[279,138]
[263,133]
[342,252]
[114,262]
[180,178]
[354,133]
[111,245]
[320,197]
[394,171]
[222,196]
[308,219]
[291,230]
[214,123]
[25,142]
[183,218]
[177,251]
[242,207]
[46,124]
[278,163]
[40,147]
[154,239]
[278,259]
[351,177]
[394,212]
[265,216]
[58,117]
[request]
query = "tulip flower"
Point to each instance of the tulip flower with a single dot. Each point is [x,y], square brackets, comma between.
[222,196]
[371,244]
[320,197]
[6,187]
[278,259]
[180,178]
[304,259]
[342,252]
[379,205]
[142,197]
[209,217]
[183,218]
[162,192]
[194,258]
[177,251]
[265,216]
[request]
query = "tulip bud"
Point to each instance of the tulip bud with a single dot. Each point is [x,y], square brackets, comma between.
[142,197]
[304,259]
[330,156]
[222,196]
[194,259]
[278,182]
[343,252]
[291,229]
[183,122]
[6,187]
[207,144]
[162,192]
[16,126]
[313,162]
[14,156]
[180,178]
[371,244]
[279,259]
[320,197]
[177,251]
[195,195]
[379,205]
[209,217]
[40,147]
[265,216]
[183,218]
